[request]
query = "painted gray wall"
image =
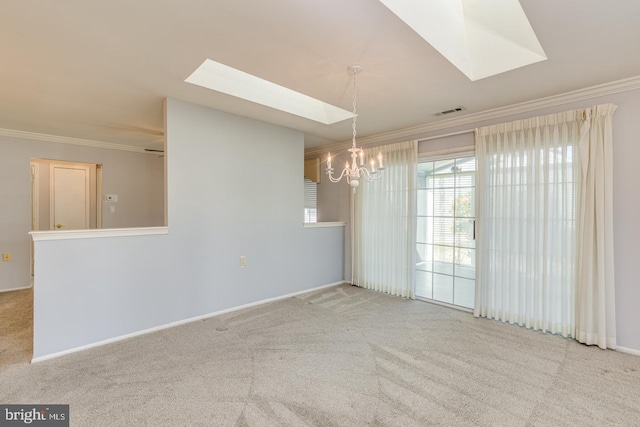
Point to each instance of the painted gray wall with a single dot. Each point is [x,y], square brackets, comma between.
[234,188]
[334,201]
[626,197]
[137,178]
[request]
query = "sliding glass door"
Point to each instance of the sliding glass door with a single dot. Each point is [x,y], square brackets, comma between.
[445,269]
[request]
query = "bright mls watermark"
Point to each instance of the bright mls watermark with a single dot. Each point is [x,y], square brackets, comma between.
[36,415]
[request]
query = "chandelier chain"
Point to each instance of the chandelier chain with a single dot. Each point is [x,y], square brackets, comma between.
[355,111]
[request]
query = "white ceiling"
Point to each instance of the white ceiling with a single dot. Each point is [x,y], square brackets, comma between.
[99,70]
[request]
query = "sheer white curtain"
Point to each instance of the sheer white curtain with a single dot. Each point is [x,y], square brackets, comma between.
[525,225]
[544,224]
[595,309]
[383,224]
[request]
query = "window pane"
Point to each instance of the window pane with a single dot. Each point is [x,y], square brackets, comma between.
[425,230]
[465,263]
[424,284]
[421,232]
[464,293]
[465,200]
[442,181]
[443,288]
[424,259]
[425,170]
[464,233]
[467,164]
[422,202]
[443,259]
[443,201]
[443,231]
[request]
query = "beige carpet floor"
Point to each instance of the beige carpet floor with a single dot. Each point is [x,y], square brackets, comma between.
[16,327]
[343,356]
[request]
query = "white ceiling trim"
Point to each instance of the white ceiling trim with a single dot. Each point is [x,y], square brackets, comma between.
[72,141]
[416,132]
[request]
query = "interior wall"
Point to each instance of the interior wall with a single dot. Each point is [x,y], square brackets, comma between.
[136,177]
[626,197]
[333,204]
[234,189]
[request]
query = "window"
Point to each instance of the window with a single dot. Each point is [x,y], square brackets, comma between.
[310,201]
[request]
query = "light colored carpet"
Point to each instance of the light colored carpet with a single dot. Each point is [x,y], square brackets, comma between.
[16,327]
[343,356]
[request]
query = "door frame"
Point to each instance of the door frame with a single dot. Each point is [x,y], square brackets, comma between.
[35,206]
[98,195]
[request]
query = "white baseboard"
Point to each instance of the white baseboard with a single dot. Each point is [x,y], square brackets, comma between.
[178,323]
[16,289]
[628,350]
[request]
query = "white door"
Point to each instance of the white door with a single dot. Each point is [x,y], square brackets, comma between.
[70,197]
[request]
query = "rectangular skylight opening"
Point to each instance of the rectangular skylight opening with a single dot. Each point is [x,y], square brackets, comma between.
[222,78]
[480,38]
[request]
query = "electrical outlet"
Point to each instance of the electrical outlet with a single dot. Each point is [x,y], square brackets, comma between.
[243,261]
[6,257]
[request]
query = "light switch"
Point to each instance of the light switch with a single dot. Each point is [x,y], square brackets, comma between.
[112,209]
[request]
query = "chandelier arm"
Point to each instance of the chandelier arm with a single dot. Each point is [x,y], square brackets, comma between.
[331,177]
[364,172]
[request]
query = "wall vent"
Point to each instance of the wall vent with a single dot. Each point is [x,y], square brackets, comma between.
[450,111]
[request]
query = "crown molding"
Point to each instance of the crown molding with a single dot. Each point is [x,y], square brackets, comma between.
[71,141]
[414,132]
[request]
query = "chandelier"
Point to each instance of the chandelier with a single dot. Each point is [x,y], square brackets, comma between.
[358,168]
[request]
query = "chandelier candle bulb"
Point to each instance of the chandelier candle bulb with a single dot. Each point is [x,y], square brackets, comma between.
[373,166]
[380,161]
[329,161]
[361,158]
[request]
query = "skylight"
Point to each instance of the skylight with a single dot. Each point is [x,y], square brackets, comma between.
[481,38]
[222,78]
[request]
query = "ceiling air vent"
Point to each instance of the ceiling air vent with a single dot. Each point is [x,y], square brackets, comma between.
[450,111]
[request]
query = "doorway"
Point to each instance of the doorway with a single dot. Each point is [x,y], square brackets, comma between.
[64,196]
[445,265]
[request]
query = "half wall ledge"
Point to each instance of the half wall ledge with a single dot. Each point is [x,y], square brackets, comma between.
[324,224]
[96,233]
